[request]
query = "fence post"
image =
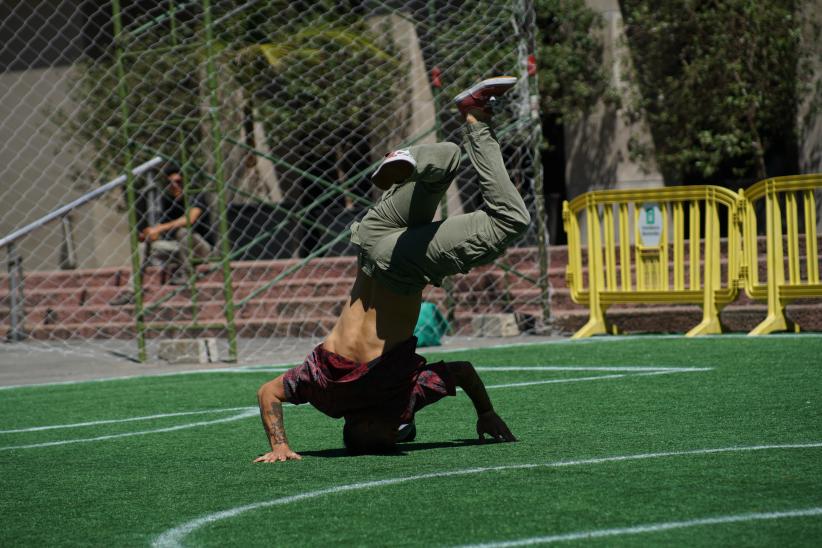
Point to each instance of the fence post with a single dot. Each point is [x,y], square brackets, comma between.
[17,313]
[447,283]
[68,252]
[187,178]
[217,141]
[436,85]
[136,274]
[543,237]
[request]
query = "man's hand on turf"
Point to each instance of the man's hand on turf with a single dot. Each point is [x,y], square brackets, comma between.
[490,423]
[279,453]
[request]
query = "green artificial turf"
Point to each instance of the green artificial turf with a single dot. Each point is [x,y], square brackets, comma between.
[129,490]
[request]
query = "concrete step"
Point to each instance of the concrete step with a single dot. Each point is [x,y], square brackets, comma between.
[255,321]
[487,295]
[74,304]
[293,306]
[205,292]
[247,271]
[485,279]
[303,327]
[242,270]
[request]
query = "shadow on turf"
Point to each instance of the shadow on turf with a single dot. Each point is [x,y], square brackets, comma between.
[403,449]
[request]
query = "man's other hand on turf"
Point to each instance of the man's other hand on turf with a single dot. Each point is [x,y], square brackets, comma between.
[279,453]
[490,423]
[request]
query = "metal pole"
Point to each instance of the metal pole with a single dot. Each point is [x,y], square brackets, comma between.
[217,140]
[436,85]
[189,244]
[186,173]
[447,283]
[152,207]
[17,314]
[68,253]
[136,274]
[543,237]
[542,234]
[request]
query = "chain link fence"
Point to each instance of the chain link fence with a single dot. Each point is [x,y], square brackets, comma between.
[276,113]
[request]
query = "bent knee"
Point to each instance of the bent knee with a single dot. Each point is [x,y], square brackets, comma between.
[455,155]
[520,221]
[511,224]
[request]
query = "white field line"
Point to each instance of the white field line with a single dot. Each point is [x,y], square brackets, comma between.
[609,338]
[643,370]
[285,365]
[250,412]
[241,369]
[174,537]
[650,528]
[129,419]
[622,368]
[577,379]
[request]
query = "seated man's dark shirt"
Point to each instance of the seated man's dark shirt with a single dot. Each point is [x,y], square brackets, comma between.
[175,208]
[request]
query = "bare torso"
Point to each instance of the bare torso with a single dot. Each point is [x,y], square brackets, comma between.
[373,321]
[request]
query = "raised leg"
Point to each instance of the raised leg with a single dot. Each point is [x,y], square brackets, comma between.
[414,202]
[432,251]
[399,243]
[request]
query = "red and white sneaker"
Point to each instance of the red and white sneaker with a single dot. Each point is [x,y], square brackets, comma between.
[484,95]
[396,167]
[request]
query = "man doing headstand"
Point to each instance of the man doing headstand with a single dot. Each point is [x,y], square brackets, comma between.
[367,370]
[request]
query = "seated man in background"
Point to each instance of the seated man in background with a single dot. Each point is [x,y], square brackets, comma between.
[367,371]
[168,241]
[170,237]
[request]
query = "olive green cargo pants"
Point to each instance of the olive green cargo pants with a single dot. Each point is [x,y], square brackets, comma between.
[404,250]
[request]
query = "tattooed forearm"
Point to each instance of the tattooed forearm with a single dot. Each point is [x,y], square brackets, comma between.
[270,397]
[273,421]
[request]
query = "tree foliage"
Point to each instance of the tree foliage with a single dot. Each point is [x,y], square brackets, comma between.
[304,69]
[570,58]
[718,82]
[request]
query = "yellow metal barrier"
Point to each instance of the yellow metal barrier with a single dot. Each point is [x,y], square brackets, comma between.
[639,271]
[781,196]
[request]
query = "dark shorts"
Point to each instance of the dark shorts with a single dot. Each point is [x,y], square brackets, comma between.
[397,384]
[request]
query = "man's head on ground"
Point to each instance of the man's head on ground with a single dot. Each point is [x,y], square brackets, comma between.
[174,179]
[369,433]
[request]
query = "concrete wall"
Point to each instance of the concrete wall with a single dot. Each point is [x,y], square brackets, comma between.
[39,41]
[36,168]
[596,147]
[415,112]
[810,126]
[36,176]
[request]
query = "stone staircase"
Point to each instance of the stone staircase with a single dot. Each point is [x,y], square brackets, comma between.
[75,304]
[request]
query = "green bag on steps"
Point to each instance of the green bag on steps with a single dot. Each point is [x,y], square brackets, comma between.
[431,325]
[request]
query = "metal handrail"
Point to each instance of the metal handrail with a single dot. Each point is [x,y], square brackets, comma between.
[15,262]
[82,200]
